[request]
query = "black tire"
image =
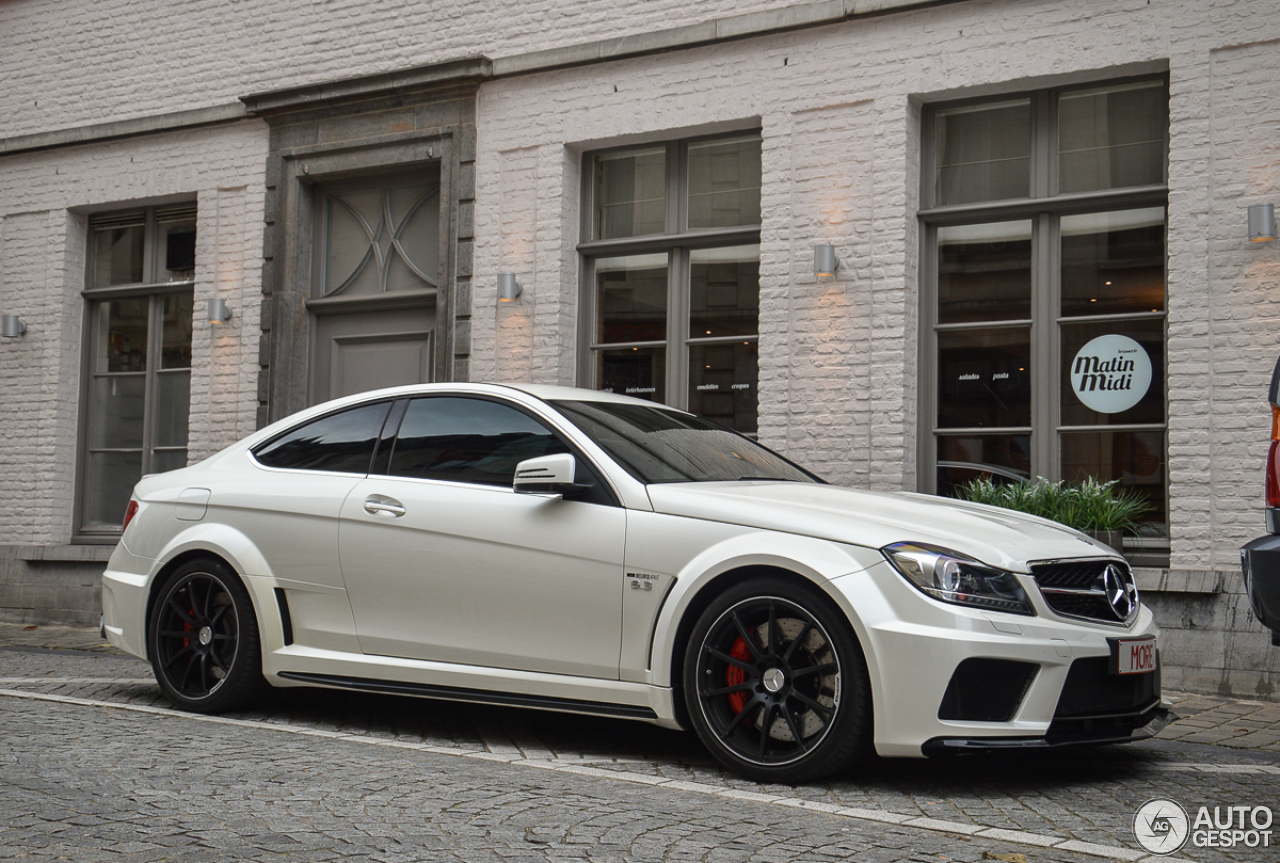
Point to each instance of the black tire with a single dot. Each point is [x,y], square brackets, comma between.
[203,639]
[776,684]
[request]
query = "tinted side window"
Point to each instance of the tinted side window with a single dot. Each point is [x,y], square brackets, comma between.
[340,442]
[468,440]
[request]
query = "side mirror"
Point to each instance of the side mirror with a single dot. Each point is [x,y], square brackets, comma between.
[1273,392]
[548,474]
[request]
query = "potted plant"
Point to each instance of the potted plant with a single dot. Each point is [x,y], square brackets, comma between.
[1090,506]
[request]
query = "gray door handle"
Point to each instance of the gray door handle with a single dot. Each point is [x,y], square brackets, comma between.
[381,505]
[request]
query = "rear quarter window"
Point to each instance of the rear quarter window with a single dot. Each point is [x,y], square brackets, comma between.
[343,442]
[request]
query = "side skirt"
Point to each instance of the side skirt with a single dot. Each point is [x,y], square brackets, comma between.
[480,696]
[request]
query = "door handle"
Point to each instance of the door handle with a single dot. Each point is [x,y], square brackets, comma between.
[380,505]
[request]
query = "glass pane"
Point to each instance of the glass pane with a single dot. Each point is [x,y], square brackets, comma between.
[175,351]
[340,442]
[656,444]
[168,459]
[177,248]
[1135,458]
[630,193]
[983,152]
[1113,263]
[172,408]
[631,295]
[639,372]
[468,440]
[1113,373]
[722,384]
[724,287]
[110,480]
[724,183]
[1112,137]
[117,256]
[984,378]
[1001,458]
[116,411]
[122,336]
[984,272]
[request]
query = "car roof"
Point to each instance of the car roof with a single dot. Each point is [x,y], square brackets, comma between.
[543,392]
[551,392]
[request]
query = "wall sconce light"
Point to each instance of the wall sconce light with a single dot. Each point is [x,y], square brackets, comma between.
[11,326]
[1262,222]
[218,311]
[825,262]
[509,289]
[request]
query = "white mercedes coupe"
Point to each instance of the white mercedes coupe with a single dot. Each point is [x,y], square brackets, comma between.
[563,549]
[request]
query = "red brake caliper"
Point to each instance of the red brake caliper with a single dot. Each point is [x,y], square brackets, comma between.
[736,675]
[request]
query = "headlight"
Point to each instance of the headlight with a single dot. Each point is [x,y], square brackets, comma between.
[952,577]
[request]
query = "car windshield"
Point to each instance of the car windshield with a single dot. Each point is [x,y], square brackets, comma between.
[657,445]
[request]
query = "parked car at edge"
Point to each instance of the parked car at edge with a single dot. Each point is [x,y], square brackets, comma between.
[582,551]
[1260,559]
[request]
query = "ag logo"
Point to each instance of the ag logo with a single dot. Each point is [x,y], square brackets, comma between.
[1111,374]
[1161,826]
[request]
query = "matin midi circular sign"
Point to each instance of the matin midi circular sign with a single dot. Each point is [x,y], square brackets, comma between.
[1111,374]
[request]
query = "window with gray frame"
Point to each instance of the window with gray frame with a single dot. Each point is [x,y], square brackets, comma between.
[672,275]
[1044,291]
[137,382]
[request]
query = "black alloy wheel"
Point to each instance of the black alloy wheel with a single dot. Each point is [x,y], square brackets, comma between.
[775,683]
[204,639]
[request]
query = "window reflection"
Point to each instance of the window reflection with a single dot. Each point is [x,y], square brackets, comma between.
[723,383]
[984,272]
[1149,334]
[983,152]
[1000,458]
[630,193]
[984,378]
[1135,458]
[1113,263]
[1111,137]
[638,372]
[468,440]
[632,298]
[724,183]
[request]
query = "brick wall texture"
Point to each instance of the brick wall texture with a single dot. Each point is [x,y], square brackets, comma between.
[839,107]
[44,197]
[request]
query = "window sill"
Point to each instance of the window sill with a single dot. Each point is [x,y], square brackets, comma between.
[58,553]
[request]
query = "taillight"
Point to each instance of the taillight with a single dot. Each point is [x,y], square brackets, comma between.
[1273,463]
[132,510]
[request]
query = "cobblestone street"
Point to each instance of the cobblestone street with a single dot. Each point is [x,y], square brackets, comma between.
[96,766]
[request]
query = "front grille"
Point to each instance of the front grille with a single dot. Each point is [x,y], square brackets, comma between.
[1074,588]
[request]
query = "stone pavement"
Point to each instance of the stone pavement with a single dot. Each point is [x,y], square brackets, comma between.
[98,766]
[1211,719]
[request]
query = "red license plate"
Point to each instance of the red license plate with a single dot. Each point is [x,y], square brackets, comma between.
[1137,655]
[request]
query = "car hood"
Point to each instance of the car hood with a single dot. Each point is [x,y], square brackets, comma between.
[998,537]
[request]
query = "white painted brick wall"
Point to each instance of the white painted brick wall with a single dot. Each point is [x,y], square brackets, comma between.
[117,59]
[42,272]
[839,108]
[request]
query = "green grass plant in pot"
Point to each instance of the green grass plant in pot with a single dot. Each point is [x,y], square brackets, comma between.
[1091,506]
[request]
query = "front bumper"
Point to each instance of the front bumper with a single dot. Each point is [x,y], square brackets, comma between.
[1260,563]
[949,679]
[1140,726]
